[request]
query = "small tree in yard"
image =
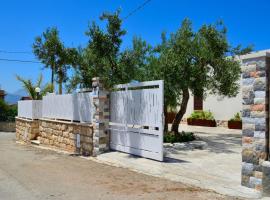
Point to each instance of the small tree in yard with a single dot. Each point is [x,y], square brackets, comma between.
[104,49]
[51,51]
[30,87]
[187,61]
[102,56]
[46,48]
[196,62]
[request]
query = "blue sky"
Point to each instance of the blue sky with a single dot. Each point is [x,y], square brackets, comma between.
[22,21]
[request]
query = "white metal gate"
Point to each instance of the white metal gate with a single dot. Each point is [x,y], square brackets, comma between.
[136,119]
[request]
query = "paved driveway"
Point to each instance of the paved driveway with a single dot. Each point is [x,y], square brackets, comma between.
[218,167]
[31,173]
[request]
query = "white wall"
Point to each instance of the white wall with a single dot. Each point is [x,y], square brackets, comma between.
[223,108]
[31,109]
[189,107]
[74,107]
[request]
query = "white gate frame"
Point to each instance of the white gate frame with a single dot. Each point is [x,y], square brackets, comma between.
[137,119]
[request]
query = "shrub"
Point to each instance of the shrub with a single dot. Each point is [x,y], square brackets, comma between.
[200,114]
[181,137]
[7,112]
[236,117]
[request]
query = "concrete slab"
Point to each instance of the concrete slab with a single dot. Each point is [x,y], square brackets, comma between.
[218,167]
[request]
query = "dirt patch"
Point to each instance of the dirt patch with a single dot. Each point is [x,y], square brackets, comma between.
[32,173]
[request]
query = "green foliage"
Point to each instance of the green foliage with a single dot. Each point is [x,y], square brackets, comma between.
[30,87]
[201,62]
[104,49]
[236,117]
[7,112]
[102,56]
[196,61]
[200,114]
[238,50]
[47,48]
[182,137]
[50,50]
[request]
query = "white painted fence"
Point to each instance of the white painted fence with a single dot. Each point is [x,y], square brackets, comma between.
[31,109]
[73,107]
[136,119]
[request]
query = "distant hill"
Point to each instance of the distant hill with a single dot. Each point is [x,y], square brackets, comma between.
[20,92]
[13,98]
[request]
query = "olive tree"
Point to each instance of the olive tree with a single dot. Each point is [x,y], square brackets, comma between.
[197,63]
[102,57]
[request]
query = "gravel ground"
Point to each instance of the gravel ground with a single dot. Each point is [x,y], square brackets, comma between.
[28,173]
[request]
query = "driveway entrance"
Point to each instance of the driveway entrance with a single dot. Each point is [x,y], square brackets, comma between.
[218,167]
[31,173]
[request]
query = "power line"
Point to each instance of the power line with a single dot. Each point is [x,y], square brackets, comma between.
[21,61]
[136,9]
[16,52]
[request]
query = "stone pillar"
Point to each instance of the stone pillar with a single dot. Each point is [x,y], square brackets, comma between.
[100,117]
[255,118]
[266,178]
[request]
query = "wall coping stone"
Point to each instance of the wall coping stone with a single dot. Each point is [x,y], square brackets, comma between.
[263,53]
[26,119]
[67,122]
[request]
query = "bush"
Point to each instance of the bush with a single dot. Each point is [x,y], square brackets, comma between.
[181,137]
[200,114]
[7,112]
[236,118]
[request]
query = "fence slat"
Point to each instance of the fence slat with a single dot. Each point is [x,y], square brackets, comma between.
[136,119]
[73,107]
[31,109]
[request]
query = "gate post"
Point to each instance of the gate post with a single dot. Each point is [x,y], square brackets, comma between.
[101,117]
[255,132]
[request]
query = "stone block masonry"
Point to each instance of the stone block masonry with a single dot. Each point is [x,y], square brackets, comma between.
[26,129]
[64,135]
[266,178]
[255,119]
[83,138]
[101,118]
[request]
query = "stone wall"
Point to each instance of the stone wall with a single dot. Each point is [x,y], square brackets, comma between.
[255,119]
[86,139]
[266,178]
[63,135]
[26,130]
[7,126]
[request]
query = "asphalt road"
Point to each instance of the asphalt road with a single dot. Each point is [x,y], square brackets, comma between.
[31,173]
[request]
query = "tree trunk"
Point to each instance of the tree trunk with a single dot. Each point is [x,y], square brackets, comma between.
[181,112]
[60,85]
[60,79]
[60,88]
[52,78]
